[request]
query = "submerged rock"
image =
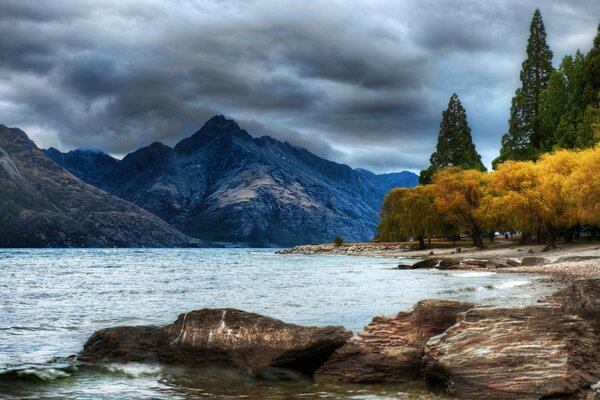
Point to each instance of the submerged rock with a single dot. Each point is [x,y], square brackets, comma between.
[514,353]
[219,338]
[390,349]
[531,261]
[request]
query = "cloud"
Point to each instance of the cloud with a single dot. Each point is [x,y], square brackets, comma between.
[361,82]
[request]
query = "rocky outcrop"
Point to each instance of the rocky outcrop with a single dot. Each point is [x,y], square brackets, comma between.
[223,185]
[42,205]
[390,349]
[219,338]
[514,353]
[581,298]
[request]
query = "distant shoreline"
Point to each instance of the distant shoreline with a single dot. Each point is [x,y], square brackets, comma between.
[563,264]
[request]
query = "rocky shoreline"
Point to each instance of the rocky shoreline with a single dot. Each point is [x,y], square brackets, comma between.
[564,264]
[546,351]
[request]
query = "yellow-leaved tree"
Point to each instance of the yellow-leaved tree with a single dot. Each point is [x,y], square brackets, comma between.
[458,196]
[409,213]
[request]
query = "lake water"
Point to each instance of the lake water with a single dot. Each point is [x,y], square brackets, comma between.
[51,301]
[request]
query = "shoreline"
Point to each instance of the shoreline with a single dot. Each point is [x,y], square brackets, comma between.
[563,264]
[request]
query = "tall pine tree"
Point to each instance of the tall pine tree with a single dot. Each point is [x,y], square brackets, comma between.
[455,146]
[524,139]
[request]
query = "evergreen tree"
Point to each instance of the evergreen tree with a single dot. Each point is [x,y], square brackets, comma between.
[525,136]
[587,128]
[455,146]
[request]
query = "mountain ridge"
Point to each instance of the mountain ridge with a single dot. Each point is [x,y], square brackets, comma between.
[41,205]
[223,185]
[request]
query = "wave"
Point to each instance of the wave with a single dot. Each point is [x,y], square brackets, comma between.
[38,373]
[511,284]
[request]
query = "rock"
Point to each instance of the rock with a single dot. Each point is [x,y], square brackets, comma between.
[122,344]
[514,353]
[476,263]
[532,261]
[577,258]
[497,264]
[404,266]
[530,251]
[234,338]
[220,338]
[448,264]
[390,349]
[582,298]
[458,250]
[427,263]
[431,253]
[513,263]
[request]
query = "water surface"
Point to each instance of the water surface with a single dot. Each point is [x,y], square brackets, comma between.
[53,300]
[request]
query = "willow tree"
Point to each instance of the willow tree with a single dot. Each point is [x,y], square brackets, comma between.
[409,213]
[458,197]
[455,146]
[536,196]
[525,135]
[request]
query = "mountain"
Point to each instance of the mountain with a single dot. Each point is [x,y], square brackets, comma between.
[87,165]
[223,185]
[41,205]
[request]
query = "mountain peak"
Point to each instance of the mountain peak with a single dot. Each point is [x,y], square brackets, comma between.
[214,127]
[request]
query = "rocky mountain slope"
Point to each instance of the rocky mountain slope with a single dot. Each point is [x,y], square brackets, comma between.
[223,185]
[41,205]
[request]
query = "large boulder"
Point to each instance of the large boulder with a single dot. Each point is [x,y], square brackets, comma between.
[514,353]
[219,338]
[390,349]
[122,344]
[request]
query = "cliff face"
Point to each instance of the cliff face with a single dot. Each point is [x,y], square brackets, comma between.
[41,205]
[223,185]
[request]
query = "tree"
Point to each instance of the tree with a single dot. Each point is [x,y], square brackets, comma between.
[525,136]
[455,146]
[535,197]
[458,197]
[338,241]
[410,213]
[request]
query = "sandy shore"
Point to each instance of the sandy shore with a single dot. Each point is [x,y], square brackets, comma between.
[566,263]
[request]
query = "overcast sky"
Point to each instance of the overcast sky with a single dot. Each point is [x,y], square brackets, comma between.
[358,82]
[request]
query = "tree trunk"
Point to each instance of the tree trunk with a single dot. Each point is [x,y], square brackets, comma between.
[477,239]
[421,242]
[550,235]
[569,234]
[492,237]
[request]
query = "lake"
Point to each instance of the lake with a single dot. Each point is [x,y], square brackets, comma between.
[52,300]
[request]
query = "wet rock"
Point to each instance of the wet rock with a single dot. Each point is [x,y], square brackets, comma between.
[404,266]
[532,261]
[514,353]
[219,338]
[234,338]
[530,251]
[428,263]
[390,349]
[122,344]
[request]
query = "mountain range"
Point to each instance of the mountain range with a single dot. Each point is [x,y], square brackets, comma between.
[221,185]
[42,205]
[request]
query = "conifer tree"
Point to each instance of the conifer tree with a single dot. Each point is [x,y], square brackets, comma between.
[455,146]
[525,136]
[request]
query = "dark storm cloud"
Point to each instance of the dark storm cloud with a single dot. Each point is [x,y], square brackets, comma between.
[360,82]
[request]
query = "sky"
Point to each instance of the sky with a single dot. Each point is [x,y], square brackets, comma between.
[359,82]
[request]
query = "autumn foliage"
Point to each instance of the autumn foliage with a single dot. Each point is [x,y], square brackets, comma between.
[559,191]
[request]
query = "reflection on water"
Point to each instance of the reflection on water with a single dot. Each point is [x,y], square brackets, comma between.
[54,299]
